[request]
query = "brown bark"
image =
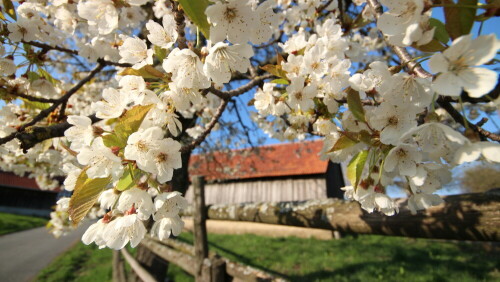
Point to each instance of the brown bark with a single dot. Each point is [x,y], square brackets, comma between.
[200,228]
[118,268]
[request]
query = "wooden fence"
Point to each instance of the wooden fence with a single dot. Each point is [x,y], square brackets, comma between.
[195,260]
[473,217]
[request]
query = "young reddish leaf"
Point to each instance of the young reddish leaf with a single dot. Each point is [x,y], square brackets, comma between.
[85,195]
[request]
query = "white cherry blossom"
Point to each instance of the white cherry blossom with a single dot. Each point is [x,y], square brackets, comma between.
[99,13]
[135,51]
[138,199]
[404,157]
[456,66]
[231,20]
[120,231]
[101,160]
[186,68]
[224,59]
[162,36]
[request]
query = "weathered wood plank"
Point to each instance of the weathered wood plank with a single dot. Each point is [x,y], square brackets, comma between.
[233,269]
[473,217]
[200,230]
[118,268]
[181,259]
[137,268]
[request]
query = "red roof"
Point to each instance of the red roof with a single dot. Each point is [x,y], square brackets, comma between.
[291,159]
[12,180]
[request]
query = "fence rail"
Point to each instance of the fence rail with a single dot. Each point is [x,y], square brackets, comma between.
[473,217]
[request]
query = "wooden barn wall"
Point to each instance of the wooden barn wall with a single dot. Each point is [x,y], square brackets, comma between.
[263,191]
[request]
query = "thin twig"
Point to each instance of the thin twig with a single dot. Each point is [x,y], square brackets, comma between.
[33,98]
[208,128]
[226,95]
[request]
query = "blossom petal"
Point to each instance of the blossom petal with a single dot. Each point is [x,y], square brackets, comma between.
[447,84]
[478,81]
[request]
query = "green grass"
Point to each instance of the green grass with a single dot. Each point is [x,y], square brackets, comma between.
[80,263]
[362,258]
[13,223]
[365,258]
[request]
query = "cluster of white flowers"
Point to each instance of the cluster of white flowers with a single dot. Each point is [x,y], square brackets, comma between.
[125,223]
[330,80]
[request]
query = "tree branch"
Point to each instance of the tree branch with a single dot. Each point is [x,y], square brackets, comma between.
[180,25]
[44,113]
[226,95]
[208,128]
[31,98]
[74,52]
[457,116]
[35,135]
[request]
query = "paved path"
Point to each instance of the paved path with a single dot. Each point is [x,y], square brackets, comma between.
[23,254]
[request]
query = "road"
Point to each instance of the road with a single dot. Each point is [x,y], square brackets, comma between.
[23,254]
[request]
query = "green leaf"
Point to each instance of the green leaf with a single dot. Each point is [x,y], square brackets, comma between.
[433,46]
[32,76]
[131,121]
[365,137]
[126,182]
[440,32]
[146,72]
[85,195]
[280,81]
[342,143]
[355,167]
[111,140]
[459,20]
[355,105]
[9,8]
[160,53]
[35,105]
[195,10]
[275,70]
[47,76]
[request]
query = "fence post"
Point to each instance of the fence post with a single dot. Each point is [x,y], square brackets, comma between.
[200,229]
[118,268]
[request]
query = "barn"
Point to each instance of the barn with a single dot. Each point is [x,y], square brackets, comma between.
[21,195]
[282,172]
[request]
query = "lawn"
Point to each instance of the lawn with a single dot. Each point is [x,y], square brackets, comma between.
[80,263]
[13,223]
[362,258]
